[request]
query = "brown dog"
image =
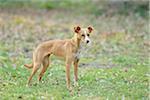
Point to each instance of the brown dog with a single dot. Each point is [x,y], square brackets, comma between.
[67,49]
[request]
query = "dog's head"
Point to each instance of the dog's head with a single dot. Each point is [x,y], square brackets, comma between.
[83,34]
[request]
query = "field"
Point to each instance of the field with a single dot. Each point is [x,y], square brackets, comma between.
[115,66]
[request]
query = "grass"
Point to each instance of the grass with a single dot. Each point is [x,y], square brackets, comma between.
[115,66]
[112,83]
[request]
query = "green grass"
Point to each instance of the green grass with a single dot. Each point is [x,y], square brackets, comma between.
[112,83]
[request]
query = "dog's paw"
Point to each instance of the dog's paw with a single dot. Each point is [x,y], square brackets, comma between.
[27,85]
[69,88]
[76,84]
[71,91]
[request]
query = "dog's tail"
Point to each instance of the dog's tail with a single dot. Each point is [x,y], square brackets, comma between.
[29,65]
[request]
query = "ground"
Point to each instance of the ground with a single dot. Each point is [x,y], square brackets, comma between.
[115,66]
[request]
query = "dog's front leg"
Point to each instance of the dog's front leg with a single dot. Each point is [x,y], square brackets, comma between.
[68,64]
[75,63]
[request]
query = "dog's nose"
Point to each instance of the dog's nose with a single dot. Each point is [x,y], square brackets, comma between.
[87,41]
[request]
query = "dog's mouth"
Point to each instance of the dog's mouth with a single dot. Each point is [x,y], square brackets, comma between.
[88,44]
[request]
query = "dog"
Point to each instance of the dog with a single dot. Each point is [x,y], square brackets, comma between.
[66,49]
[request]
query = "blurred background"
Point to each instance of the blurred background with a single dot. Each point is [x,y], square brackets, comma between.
[120,39]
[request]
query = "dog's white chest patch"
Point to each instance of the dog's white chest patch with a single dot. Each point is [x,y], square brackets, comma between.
[81,51]
[77,54]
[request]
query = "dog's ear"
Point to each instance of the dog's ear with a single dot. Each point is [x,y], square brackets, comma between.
[77,29]
[90,29]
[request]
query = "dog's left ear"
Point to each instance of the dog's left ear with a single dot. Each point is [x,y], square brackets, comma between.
[77,29]
[90,29]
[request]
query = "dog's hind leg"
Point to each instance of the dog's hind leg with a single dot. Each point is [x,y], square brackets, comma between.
[34,70]
[37,60]
[45,66]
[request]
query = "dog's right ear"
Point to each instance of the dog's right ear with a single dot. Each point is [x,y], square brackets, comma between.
[77,29]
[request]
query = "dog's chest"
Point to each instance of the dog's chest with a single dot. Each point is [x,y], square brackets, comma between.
[79,53]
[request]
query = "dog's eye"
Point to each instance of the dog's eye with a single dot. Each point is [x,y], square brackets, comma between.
[88,34]
[83,35]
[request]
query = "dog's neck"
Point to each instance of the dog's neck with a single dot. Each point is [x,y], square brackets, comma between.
[76,41]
